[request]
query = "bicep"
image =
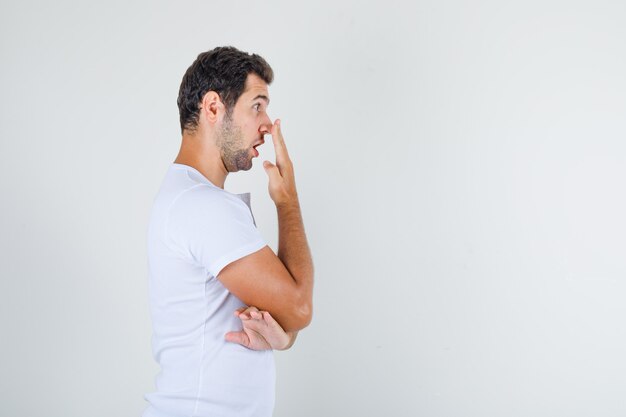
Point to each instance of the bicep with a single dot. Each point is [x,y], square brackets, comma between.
[262,280]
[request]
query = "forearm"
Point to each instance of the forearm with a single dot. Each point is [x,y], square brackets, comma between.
[293,248]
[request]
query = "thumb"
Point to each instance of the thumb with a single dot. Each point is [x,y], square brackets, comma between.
[271,169]
[238,337]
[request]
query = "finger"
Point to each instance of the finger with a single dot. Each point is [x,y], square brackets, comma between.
[237,337]
[277,135]
[256,315]
[279,143]
[272,171]
[244,316]
[248,310]
[269,319]
[239,311]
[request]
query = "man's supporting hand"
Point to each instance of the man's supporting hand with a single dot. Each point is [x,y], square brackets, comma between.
[260,331]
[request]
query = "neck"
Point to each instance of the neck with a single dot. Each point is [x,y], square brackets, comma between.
[203,157]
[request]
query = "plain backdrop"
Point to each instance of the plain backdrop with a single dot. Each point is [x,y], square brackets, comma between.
[461,168]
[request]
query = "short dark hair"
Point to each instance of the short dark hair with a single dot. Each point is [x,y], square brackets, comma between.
[224,70]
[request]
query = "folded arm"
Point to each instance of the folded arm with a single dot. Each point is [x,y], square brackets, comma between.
[279,284]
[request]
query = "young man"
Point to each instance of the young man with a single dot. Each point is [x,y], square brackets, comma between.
[208,262]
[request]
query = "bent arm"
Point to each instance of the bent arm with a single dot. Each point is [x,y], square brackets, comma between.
[262,280]
[283,284]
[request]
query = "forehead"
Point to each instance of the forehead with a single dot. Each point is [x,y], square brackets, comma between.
[255,86]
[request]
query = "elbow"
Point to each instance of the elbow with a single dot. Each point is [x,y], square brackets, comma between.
[306,314]
[301,317]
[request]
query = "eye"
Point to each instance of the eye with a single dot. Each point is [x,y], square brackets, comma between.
[257,106]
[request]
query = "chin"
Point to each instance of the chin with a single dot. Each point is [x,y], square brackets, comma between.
[239,164]
[242,168]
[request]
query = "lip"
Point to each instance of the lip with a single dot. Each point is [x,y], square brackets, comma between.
[256,152]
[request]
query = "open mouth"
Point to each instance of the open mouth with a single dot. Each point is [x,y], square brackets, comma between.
[256,151]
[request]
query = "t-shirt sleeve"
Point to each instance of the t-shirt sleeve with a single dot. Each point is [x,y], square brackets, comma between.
[213,228]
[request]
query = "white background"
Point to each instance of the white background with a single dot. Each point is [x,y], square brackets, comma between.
[461,169]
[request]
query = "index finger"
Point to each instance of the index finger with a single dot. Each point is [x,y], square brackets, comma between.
[279,142]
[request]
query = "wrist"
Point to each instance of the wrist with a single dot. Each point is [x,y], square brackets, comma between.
[289,204]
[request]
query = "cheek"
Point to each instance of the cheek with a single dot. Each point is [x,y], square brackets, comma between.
[251,126]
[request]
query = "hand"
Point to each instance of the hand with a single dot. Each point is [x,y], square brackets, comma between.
[282,183]
[260,331]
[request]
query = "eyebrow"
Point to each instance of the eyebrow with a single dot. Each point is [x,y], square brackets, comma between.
[264,97]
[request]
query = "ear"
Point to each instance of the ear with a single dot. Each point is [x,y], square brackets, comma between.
[212,109]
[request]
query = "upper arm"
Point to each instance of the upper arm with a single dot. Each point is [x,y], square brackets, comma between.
[262,280]
[218,233]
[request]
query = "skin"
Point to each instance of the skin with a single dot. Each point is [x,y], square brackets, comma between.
[260,331]
[224,143]
[280,283]
[235,155]
[221,145]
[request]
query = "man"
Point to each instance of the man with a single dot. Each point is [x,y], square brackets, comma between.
[220,299]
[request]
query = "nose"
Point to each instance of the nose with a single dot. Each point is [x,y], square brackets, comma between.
[266,125]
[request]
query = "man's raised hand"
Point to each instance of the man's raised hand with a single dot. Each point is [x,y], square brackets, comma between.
[282,183]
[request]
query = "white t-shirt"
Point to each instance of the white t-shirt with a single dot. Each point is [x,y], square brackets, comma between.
[195,230]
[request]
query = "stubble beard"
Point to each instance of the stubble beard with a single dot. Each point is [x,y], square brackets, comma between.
[231,144]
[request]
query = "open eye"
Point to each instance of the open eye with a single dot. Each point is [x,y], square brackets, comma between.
[257,106]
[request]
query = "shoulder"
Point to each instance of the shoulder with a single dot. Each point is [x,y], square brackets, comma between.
[205,201]
[211,225]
